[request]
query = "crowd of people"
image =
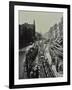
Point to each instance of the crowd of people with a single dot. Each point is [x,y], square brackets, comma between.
[33,69]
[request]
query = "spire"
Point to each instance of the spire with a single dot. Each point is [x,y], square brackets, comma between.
[34,24]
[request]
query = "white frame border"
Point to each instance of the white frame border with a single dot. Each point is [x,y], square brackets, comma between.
[16,44]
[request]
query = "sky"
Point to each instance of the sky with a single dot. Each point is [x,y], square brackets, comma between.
[43,20]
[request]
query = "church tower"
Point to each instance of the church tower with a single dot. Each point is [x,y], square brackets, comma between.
[34,26]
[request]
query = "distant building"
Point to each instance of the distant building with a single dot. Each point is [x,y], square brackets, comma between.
[26,34]
[56,31]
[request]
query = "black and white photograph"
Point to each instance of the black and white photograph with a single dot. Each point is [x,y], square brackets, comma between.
[39,44]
